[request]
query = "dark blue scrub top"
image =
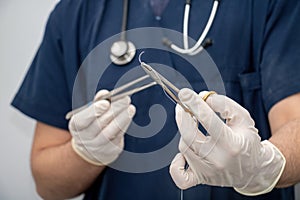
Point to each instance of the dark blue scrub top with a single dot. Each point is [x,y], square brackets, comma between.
[256,48]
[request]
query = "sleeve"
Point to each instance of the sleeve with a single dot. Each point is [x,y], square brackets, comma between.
[44,94]
[280,63]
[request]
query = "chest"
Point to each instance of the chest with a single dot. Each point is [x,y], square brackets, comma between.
[99,27]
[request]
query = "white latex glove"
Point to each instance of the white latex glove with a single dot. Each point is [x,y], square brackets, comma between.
[231,155]
[99,129]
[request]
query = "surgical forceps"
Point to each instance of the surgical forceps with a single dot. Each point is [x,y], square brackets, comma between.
[116,94]
[166,85]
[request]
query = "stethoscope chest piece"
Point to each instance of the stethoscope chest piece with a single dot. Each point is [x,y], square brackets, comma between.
[122,52]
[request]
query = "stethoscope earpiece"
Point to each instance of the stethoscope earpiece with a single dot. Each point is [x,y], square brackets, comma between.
[208,42]
[166,42]
[122,52]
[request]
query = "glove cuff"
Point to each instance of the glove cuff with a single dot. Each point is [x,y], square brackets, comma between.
[267,180]
[81,154]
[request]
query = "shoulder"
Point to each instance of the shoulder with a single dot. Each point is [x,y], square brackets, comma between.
[70,9]
[66,8]
[69,16]
[69,4]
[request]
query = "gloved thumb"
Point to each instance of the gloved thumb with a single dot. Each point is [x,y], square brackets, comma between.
[85,117]
[183,178]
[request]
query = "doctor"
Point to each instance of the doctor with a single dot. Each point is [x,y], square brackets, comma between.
[252,153]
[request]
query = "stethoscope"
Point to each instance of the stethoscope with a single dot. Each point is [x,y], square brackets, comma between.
[123,51]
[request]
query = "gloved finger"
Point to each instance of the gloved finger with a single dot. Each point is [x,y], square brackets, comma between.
[228,109]
[84,118]
[183,146]
[100,94]
[118,141]
[119,124]
[115,109]
[198,148]
[110,141]
[110,149]
[183,178]
[97,99]
[188,127]
[206,155]
[204,114]
[96,126]
[91,131]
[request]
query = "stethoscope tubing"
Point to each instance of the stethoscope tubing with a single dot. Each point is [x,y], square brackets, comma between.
[120,57]
[124,20]
[197,47]
[185,25]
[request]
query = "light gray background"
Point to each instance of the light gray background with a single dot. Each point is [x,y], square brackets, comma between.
[21,29]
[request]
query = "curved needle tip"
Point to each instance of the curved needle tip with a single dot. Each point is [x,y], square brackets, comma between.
[140,56]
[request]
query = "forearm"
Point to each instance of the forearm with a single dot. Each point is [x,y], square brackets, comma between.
[60,173]
[287,139]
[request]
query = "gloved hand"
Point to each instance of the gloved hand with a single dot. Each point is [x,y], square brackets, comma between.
[99,129]
[231,155]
